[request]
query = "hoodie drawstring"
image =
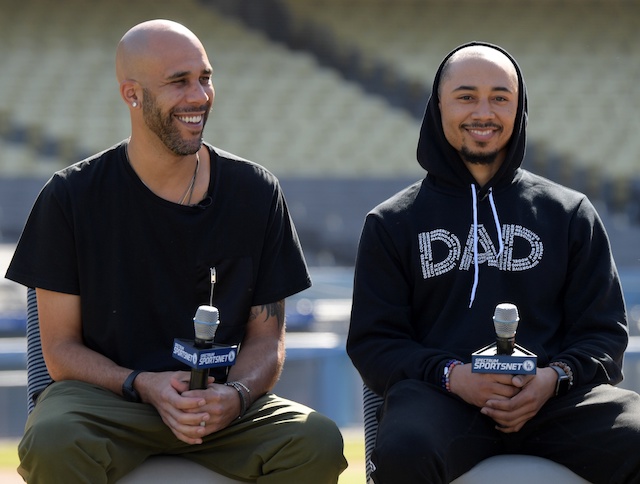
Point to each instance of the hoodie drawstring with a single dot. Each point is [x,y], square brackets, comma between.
[475,244]
[496,220]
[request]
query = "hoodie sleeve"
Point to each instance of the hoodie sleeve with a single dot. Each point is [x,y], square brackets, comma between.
[597,333]
[381,341]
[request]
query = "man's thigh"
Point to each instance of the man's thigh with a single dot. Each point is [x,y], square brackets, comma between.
[594,431]
[275,434]
[431,435]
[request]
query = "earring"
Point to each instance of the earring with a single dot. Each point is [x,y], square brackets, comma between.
[134,104]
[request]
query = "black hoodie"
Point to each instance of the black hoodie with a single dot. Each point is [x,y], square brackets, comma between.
[435,259]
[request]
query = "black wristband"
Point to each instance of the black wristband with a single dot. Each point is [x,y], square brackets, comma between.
[128,392]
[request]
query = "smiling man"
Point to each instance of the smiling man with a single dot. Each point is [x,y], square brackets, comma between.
[436,259]
[120,248]
[478,97]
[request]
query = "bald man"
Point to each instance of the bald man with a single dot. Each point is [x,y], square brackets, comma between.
[436,259]
[120,248]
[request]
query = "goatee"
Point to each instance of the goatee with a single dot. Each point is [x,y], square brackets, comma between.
[478,158]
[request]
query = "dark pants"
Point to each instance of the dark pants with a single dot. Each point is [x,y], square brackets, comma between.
[427,435]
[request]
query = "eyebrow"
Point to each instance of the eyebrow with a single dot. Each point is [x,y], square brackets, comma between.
[179,74]
[474,88]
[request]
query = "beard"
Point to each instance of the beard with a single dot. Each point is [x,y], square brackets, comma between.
[478,158]
[165,129]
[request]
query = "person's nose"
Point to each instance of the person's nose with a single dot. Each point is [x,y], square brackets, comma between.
[200,94]
[484,110]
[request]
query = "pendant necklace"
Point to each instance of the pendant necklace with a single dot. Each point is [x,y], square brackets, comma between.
[192,185]
[188,194]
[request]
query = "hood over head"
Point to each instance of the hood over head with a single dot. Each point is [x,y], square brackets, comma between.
[442,161]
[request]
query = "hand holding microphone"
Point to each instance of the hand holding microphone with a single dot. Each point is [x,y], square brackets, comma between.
[202,353]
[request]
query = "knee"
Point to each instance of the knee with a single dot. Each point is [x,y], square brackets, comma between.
[56,436]
[322,440]
[312,451]
[47,447]
[47,437]
[407,456]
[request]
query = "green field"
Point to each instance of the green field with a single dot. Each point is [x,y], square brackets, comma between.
[8,454]
[354,451]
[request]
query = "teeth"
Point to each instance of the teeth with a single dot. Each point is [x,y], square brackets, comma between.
[481,132]
[190,119]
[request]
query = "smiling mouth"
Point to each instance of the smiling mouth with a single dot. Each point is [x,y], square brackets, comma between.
[197,119]
[482,132]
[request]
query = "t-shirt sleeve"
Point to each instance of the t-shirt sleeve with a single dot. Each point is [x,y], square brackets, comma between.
[283,270]
[45,254]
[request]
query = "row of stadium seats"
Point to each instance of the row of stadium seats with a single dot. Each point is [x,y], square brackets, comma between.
[281,108]
[272,105]
[578,58]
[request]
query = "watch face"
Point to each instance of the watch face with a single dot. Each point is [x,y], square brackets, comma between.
[562,386]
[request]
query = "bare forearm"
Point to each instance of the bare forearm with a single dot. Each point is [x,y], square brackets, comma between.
[262,352]
[258,366]
[73,361]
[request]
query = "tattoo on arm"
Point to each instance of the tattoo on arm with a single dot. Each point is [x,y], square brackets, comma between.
[268,310]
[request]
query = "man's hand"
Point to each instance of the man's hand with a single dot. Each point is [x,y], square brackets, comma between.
[222,405]
[190,414]
[478,388]
[511,415]
[181,410]
[510,400]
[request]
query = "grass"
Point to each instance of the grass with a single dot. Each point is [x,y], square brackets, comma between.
[353,450]
[8,454]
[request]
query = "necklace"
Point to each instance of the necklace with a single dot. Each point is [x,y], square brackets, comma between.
[192,185]
[188,194]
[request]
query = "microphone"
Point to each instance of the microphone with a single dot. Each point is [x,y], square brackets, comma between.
[504,356]
[505,322]
[205,323]
[202,353]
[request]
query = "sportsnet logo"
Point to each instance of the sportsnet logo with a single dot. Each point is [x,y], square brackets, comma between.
[521,362]
[180,353]
[494,365]
[207,359]
[219,355]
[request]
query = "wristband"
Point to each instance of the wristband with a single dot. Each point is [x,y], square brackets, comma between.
[446,374]
[565,377]
[239,386]
[128,392]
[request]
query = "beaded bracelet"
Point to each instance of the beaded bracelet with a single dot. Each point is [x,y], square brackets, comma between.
[239,386]
[446,374]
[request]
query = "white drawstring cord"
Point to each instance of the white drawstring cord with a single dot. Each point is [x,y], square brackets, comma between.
[475,244]
[496,220]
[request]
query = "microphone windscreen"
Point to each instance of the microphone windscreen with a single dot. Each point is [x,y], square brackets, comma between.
[505,320]
[206,322]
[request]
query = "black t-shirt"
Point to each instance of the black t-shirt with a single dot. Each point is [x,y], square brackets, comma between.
[142,264]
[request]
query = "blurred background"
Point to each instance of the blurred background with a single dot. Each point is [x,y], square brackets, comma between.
[328,95]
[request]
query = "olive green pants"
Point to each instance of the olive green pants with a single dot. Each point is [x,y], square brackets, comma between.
[81,433]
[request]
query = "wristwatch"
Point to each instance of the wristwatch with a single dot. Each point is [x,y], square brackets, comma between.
[128,392]
[564,381]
